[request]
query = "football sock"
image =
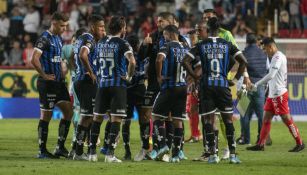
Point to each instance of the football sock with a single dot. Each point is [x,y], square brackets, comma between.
[158,124]
[126,134]
[177,141]
[42,135]
[293,130]
[114,130]
[169,129]
[81,133]
[155,134]
[265,130]
[144,131]
[63,132]
[182,137]
[210,137]
[216,138]
[230,137]
[106,134]
[94,134]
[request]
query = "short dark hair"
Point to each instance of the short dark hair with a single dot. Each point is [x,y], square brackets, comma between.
[94,18]
[191,32]
[251,38]
[116,24]
[210,11]
[134,41]
[268,41]
[166,15]
[79,32]
[172,29]
[213,24]
[58,16]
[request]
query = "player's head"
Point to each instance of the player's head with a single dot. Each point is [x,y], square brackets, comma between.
[117,25]
[269,46]
[208,13]
[201,29]
[164,19]
[213,26]
[134,42]
[175,21]
[193,36]
[251,38]
[96,26]
[170,33]
[59,22]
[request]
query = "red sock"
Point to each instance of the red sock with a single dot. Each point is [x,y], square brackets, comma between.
[194,124]
[294,131]
[265,130]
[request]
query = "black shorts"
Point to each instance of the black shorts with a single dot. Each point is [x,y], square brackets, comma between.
[135,98]
[111,99]
[86,93]
[51,93]
[171,101]
[213,98]
[150,97]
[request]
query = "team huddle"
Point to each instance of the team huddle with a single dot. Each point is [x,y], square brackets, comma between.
[109,73]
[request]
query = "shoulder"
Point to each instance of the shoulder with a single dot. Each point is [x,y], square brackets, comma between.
[279,56]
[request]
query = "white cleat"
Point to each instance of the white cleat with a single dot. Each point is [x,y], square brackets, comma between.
[140,156]
[93,158]
[111,159]
[226,154]
[166,158]
[81,157]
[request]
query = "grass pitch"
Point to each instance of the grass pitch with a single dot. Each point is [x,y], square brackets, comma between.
[18,149]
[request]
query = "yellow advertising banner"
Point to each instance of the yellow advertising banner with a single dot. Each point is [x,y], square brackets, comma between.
[18,83]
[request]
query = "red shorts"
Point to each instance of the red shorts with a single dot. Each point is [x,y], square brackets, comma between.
[191,101]
[278,105]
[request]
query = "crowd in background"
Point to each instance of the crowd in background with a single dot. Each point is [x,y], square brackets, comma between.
[21,21]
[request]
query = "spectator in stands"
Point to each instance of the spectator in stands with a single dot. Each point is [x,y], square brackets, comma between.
[3,53]
[4,25]
[31,23]
[16,25]
[294,14]
[15,56]
[240,30]
[284,20]
[74,17]
[304,12]
[205,4]
[27,54]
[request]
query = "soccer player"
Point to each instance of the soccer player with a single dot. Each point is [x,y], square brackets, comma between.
[215,54]
[113,54]
[52,90]
[172,97]
[135,94]
[85,81]
[277,101]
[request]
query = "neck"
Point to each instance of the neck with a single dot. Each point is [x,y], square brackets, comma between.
[213,34]
[51,30]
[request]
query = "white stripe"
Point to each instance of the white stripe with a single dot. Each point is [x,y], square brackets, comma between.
[236,54]
[88,49]
[226,112]
[180,118]
[158,115]
[208,112]
[120,115]
[129,51]
[161,53]
[95,113]
[191,55]
[198,63]
[62,101]
[156,99]
[46,109]
[91,115]
[39,50]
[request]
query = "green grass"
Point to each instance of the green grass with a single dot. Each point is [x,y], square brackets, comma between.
[18,148]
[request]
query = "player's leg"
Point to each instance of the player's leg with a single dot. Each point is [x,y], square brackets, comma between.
[126,130]
[169,130]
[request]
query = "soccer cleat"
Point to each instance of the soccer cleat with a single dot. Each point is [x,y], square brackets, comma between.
[141,155]
[268,141]
[93,158]
[213,159]
[103,150]
[127,156]
[165,158]
[81,157]
[111,159]
[153,154]
[175,159]
[298,148]
[182,156]
[71,154]
[225,154]
[233,159]
[46,155]
[203,158]
[61,152]
[161,152]
[255,148]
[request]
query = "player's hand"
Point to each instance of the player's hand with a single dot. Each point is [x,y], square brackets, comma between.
[247,82]
[231,83]
[48,77]
[93,77]
[127,78]
[253,88]
[160,79]
[147,40]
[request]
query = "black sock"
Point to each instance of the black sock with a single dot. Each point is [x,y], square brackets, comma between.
[106,134]
[205,141]
[169,130]
[161,133]
[210,138]
[144,131]
[230,137]
[115,127]
[126,135]
[81,132]
[182,138]
[95,130]
[155,134]
[177,141]
[216,138]
[42,135]
[63,132]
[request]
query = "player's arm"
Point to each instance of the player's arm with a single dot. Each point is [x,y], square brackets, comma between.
[186,63]
[131,65]
[146,47]
[160,57]
[84,51]
[240,58]
[40,45]
[275,65]
[64,67]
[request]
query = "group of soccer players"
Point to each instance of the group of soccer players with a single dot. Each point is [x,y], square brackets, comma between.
[110,72]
